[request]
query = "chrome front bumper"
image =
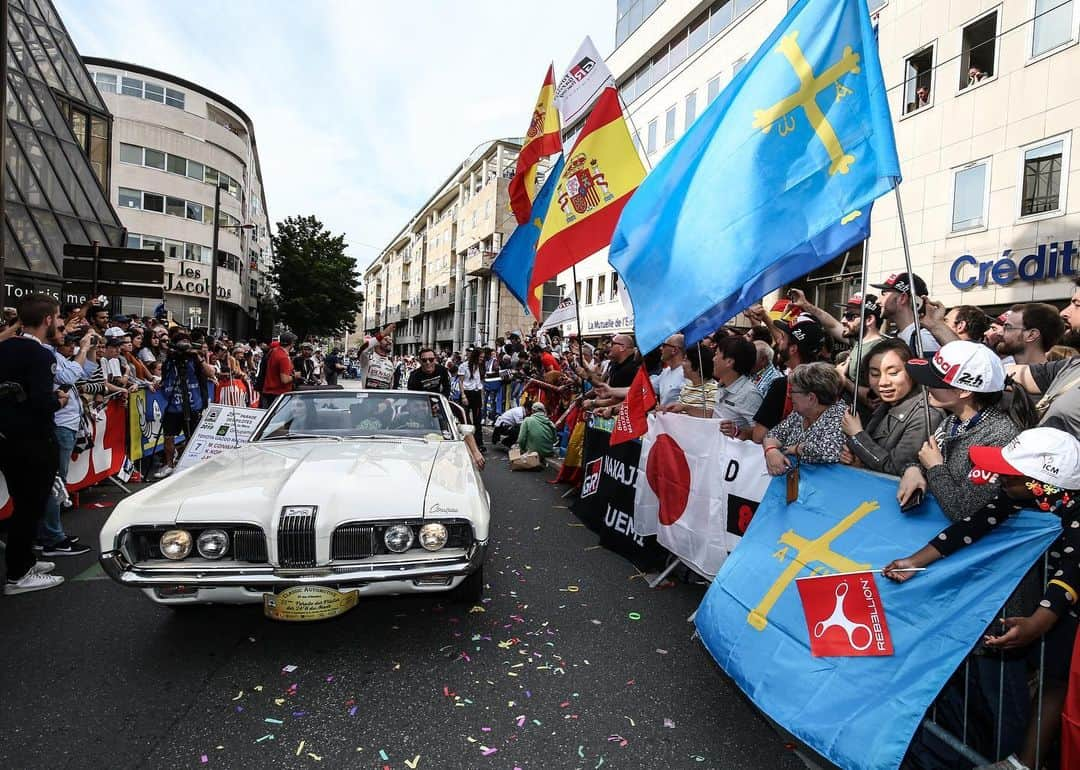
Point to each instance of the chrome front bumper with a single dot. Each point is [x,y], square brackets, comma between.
[120,569]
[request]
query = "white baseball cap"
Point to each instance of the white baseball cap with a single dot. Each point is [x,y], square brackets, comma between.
[115,331]
[1048,455]
[960,364]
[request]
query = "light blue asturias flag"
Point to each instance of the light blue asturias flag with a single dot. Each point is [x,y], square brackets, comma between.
[514,264]
[773,180]
[858,712]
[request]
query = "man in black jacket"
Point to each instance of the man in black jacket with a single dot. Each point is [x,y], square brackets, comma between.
[430,377]
[29,454]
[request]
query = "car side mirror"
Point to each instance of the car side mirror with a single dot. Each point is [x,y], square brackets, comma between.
[467,430]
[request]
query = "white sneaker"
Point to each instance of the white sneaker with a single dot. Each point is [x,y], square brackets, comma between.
[43,567]
[163,472]
[32,581]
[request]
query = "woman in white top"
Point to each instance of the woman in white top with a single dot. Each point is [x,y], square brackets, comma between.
[472,386]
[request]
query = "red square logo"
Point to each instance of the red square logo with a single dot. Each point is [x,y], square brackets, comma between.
[844,616]
[591,482]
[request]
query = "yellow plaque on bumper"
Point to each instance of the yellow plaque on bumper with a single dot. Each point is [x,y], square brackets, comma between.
[301,603]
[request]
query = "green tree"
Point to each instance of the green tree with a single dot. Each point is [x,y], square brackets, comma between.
[317,283]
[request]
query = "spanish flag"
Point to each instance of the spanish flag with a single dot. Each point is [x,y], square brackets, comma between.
[601,173]
[542,138]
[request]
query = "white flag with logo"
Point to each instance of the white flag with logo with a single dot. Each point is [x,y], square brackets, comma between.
[585,79]
[564,313]
[697,489]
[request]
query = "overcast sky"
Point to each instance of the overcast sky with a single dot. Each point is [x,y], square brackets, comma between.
[361,107]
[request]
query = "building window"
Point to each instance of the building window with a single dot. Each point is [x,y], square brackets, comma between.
[713,89]
[195,170]
[154,158]
[154,93]
[651,145]
[669,125]
[174,98]
[978,51]
[131,87]
[720,16]
[106,82]
[133,241]
[738,65]
[918,80]
[1044,186]
[614,285]
[194,211]
[588,291]
[153,202]
[971,195]
[691,109]
[177,165]
[130,199]
[600,297]
[130,153]
[577,292]
[175,206]
[1052,26]
[874,5]
[699,33]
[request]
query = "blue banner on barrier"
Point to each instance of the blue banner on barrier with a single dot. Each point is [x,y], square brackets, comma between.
[858,712]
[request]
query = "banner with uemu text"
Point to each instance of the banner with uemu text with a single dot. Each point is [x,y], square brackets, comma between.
[859,712]
[606,502]
[697,489]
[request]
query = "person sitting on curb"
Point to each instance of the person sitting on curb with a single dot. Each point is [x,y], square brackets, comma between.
[537,433]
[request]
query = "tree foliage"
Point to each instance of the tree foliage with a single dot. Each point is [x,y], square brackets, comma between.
[318,284]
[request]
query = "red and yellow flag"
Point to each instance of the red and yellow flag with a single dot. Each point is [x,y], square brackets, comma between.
[543,138]
[601,173]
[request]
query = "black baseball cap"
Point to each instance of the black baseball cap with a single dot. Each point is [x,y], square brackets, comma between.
[857,302]
[805,330]
[901,282]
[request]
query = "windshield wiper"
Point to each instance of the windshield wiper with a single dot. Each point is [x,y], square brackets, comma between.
[383,437]
[300,435]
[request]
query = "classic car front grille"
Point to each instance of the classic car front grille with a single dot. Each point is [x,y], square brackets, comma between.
[353,541]
[249,545]
[296,538]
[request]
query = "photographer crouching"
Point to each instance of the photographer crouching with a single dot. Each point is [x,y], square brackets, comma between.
[28,449]
[183,383]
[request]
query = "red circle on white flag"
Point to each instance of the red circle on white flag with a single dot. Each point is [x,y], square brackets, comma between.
[668,474]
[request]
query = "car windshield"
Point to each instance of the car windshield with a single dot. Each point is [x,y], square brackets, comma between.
[346,414]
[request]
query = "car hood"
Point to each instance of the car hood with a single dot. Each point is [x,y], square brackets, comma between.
[348,480]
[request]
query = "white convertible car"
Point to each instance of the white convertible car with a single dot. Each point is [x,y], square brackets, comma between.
[340,494]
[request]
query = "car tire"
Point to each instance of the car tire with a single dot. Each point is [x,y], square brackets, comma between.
[471,589]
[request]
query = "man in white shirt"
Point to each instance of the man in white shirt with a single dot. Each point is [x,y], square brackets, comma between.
[668,384]
[378,362]
[896,307]
[507,426]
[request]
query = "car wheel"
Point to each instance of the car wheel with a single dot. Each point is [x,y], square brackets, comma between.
[471,589]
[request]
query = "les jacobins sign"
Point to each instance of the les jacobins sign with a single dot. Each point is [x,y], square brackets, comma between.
[1046,262]
[191,280]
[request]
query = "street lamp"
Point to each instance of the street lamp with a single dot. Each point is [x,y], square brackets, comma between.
[214,253]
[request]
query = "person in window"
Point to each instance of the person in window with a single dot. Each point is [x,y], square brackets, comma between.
[897,429]
[975,75]
[922,98]
[1039,469]
[812,430]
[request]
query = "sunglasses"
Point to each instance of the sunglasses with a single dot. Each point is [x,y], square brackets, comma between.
[427,360]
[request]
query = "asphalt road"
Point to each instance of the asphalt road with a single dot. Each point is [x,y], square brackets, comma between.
[549,671]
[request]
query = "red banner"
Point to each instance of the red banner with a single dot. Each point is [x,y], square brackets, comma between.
[105,458]
[844,616]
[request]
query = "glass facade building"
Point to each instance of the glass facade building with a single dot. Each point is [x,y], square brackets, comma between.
[57,153]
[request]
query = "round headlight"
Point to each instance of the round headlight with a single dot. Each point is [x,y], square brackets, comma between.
[213,543]
[175,544]
[398,538]
[433,536]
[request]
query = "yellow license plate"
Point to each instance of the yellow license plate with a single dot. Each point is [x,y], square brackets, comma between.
[301,603]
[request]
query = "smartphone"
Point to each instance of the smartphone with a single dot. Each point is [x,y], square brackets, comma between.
[914,501]
[793,481]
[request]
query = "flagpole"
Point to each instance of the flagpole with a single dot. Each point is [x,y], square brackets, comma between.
[626,112]
[914,299]
[862,326]
[577,316]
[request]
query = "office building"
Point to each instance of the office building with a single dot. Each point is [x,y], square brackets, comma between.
[434,278]
[57,154]
[173,141]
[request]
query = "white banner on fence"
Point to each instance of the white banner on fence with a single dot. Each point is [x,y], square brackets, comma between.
[697,489]
[221,428]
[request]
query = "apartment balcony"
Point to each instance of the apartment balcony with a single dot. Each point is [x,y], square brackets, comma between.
[479,262]
[438,302]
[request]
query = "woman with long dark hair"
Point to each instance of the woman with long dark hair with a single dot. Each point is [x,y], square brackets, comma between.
[472,386]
